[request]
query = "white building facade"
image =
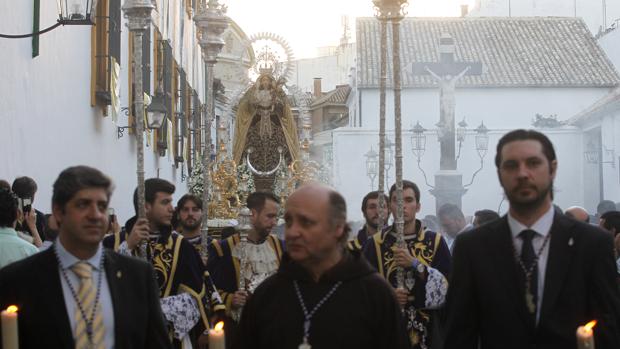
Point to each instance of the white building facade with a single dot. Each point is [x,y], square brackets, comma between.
[52,118]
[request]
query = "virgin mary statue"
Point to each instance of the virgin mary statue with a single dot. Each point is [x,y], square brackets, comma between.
[264,122]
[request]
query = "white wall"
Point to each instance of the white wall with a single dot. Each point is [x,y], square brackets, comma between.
[610,43]
[504,108]
[333,70]
[609,129]
[46,122]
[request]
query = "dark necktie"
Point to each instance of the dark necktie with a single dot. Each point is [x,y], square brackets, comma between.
[528,258]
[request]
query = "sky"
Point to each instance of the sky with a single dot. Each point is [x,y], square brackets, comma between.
[308,24]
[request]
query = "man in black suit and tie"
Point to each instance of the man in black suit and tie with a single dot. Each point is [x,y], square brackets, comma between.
[529,279]
[95,298]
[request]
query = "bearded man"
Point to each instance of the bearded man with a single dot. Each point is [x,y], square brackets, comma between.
[529,279]
[371,212]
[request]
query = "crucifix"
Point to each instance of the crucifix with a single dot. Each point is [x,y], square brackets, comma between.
[447,72]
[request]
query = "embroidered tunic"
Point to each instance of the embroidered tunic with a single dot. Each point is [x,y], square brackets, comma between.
[427,289]
[263,259]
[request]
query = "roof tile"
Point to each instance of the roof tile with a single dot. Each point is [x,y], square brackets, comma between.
[515,52]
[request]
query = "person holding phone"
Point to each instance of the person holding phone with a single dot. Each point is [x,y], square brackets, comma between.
[12,248]
[33,222]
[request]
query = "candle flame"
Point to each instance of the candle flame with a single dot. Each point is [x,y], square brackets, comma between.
[12,309]
[219,326]
[590,325]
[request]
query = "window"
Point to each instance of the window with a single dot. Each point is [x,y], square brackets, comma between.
[106,51]
[179,119]
[167,82]
[195,131]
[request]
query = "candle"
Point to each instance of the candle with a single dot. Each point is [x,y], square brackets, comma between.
[585,336]
[9,328]
[216,337]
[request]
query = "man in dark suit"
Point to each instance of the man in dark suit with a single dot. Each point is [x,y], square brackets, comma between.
[529,279]
[95,298]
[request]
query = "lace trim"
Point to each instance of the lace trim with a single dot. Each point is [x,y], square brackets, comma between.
[124,249]
[436,289]
[182,311]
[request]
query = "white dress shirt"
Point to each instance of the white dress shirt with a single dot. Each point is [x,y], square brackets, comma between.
[67,260]
[542,227]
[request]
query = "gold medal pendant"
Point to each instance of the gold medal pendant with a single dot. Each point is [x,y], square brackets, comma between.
[305,344]
[529,301]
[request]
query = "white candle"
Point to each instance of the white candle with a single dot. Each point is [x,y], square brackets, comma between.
[585,336]
[10,338]
[216,337]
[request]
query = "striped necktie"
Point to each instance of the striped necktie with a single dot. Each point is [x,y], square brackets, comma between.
[89,328]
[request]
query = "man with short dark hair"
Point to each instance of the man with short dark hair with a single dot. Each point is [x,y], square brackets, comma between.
[179,268]
[425,262]
[33,221]
[189,217]
[371,212]
[263,253]
[530,279]
[484,216]
[323,295]
[94,298]
[453,222]
[12,248]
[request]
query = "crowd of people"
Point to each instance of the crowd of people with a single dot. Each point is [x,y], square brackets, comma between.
[527,279]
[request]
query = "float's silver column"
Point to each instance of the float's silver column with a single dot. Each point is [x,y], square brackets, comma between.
[138,14]
[211,22]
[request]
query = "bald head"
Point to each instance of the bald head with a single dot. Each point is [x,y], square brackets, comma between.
[324,197]
[316,229]
[578,213]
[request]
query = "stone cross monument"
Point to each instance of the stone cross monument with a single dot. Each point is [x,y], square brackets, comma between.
[448,182]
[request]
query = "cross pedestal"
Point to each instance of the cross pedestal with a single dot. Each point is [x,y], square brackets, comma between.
[448,188]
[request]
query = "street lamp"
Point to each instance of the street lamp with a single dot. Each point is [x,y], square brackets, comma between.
[460,132]
[460,136]
[482,146]
[211,22]
[73,12]
[138,14]
[372,166]
[418,147]
[156,111]
[418,140]
[70,12]
[482,140]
